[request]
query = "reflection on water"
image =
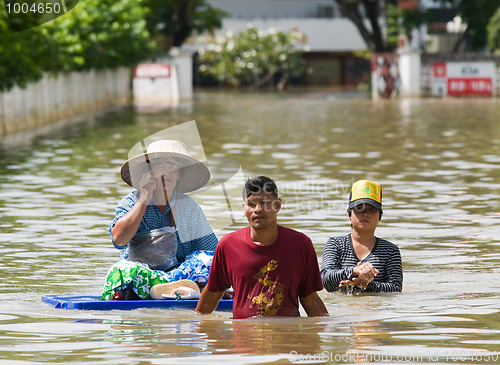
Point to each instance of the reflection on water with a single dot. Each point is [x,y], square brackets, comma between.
[438,163]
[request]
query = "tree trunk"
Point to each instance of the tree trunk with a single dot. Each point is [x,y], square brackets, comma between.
[460,41]
[374,38]
[183,18]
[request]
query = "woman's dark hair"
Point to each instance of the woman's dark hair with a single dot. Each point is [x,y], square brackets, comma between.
[258,184]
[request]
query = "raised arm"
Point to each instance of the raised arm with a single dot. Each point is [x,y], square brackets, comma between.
[126,227]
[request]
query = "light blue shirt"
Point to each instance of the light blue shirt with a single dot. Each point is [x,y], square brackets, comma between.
[193,230]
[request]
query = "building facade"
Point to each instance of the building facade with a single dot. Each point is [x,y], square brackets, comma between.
[331,41]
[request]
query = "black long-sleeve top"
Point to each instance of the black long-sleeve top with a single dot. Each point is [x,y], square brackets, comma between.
[339,260]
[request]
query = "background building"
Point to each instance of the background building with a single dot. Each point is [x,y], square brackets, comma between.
[331,40]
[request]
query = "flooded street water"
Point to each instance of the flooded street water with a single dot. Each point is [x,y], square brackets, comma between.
[438,162]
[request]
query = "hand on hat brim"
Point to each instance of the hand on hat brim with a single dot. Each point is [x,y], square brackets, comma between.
[194,174]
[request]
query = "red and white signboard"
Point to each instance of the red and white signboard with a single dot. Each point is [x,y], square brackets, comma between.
[152,71]
[155,86]
[463,78]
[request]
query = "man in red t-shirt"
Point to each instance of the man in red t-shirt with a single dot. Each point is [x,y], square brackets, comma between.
[270,267]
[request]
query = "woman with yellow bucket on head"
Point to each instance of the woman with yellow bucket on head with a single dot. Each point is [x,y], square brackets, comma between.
[361,261]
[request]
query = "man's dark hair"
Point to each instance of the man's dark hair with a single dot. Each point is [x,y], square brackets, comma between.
[258,184]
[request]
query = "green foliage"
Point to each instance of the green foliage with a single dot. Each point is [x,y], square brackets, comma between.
[413,19]
[493,31]
[363,53]
[253,57]
[394,15]
[476,13]
[20,55]
[99,34]
[401,21]
[95,34]
[179,19]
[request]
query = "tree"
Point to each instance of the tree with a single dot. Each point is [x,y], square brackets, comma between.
[380,22]
[95,34]
[28,14]
[179,19]
[21,56]
[369,16]
[374,11]
[476,14]
[100,34]
[253,57]
[493,30]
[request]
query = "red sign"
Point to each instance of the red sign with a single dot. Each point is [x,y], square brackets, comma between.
[470,86]
[152,71]
[464,78]
[439,69]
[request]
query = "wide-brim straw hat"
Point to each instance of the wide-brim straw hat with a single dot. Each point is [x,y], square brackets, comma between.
[193,173]
[181,289]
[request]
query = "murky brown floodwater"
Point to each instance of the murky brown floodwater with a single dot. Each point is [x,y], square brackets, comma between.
[437,160]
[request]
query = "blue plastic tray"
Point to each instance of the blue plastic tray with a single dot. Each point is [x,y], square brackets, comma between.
[94,302]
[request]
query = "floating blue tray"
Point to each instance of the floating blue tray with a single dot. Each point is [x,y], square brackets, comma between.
[94,302]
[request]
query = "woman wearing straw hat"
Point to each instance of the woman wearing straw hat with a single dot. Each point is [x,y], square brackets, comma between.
[157,227]
[360,261]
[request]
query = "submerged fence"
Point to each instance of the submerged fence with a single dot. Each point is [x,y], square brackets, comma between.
[55,98]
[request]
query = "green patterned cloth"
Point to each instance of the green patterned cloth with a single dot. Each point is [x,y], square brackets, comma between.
[125,273]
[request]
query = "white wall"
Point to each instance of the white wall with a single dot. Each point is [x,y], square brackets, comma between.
[55,98]
[410,71]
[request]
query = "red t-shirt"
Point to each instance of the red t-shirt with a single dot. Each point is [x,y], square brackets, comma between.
[267,280]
